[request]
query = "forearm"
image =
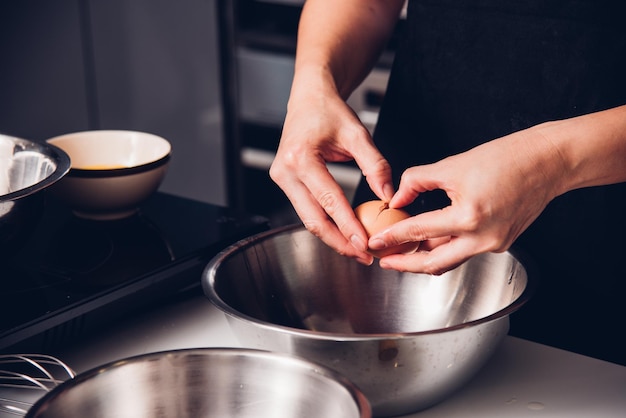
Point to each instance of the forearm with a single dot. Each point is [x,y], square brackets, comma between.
[590,149]
[339,41]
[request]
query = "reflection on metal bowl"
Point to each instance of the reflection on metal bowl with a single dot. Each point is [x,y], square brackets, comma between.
[26,169]
[212,382]
[406,340]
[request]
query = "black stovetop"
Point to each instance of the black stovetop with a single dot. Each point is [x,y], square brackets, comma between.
[74,274]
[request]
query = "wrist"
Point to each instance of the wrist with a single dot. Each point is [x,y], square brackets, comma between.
[310,85]
[591,148]
[554,156]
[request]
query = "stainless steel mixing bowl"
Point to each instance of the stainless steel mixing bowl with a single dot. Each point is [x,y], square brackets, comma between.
[26,169]
[211,382]
[406,340]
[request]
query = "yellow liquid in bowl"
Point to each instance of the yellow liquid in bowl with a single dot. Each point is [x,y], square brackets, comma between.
[101,167]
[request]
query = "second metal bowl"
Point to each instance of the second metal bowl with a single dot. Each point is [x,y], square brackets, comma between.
[211,383]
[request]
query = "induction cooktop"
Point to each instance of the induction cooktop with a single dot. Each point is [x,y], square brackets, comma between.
[74,274]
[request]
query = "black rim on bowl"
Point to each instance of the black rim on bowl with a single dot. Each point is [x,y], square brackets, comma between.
[55,153]
[162,159]
[118,172]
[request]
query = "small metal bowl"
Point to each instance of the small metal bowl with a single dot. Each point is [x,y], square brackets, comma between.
[26,169]
[406,340]
[211,382]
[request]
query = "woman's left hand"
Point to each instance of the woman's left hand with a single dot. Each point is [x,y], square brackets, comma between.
[496,190]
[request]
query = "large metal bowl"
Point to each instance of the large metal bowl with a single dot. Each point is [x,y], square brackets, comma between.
[406,340]
[26,169]
[196,383]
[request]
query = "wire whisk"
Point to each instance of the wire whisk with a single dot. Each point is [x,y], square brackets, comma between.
[26,377]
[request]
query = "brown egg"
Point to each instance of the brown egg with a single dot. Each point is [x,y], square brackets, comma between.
[376,216]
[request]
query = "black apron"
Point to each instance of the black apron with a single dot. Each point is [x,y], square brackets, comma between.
[469,71]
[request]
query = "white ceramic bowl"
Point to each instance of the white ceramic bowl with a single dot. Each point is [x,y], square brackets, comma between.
[112,171]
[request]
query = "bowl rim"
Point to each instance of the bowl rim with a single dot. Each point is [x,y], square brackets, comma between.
[60,157]
[116,171]
[210,271]
[360,400]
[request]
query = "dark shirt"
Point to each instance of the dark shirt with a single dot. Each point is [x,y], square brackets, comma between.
[469,71]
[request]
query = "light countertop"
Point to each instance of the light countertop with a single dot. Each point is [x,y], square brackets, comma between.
[523,379]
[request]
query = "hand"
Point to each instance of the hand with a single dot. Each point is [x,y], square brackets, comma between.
[496,190]
[321,128]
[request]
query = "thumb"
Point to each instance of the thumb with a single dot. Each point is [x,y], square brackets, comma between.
[376,170]
[415,180]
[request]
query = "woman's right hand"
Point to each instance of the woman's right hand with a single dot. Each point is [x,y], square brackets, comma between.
[338,43]
[320,128]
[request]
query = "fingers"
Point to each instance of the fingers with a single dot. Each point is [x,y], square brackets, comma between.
[419,179]
[330,197]
[376,170]
[443,258]
[488,188]
[323,208]
[433,243]
[422,227]
[446,242]
[300,170]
